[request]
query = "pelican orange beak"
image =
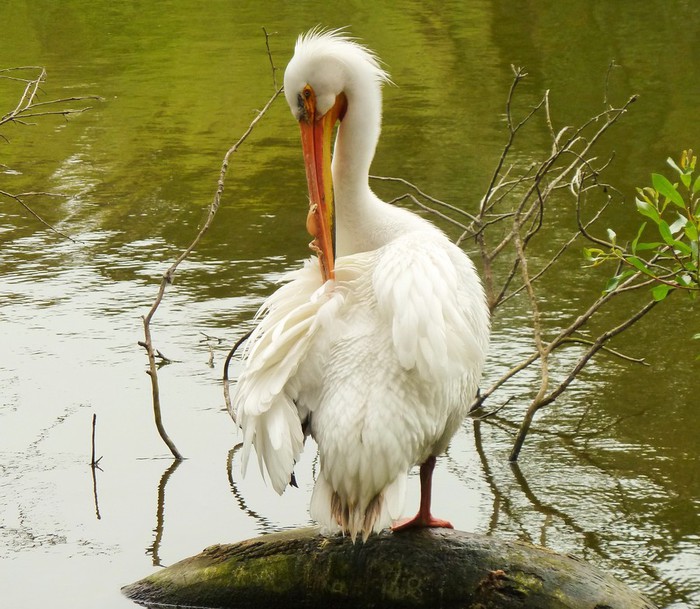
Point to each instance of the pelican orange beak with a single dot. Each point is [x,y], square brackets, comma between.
[316,136]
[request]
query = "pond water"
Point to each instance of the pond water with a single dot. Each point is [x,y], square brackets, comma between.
[610,472]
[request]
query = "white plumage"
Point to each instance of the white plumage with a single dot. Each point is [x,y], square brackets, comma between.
[381,361]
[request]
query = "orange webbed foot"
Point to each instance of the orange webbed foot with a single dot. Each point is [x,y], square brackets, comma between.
[420,521]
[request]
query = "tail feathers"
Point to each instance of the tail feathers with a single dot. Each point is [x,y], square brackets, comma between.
[336,513]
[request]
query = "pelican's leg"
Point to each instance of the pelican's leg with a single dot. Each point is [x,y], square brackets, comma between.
[423,518]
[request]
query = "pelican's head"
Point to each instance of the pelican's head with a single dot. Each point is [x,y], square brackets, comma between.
[327,73]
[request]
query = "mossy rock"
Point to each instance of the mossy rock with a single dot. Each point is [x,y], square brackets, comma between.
[430,568]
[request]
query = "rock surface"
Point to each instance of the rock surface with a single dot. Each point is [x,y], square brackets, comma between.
[430,568]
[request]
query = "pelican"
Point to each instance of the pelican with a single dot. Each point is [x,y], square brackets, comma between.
[376,345]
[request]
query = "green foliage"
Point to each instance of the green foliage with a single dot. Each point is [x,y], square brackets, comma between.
[664,252]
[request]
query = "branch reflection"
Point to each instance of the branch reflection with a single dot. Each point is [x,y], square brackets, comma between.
[590,540]
[95,467]
[263,522]
[502,502]
[154,549]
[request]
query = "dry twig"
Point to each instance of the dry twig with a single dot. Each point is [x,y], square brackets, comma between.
[169,275]
[29,106]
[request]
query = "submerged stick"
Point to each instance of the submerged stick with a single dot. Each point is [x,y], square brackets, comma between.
[429,568]
[95,465]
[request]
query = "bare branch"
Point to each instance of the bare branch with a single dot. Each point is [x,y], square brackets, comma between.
[26,107]
[20,200]
[427,208]
[426,196]
[585,341]
[269,55]
[596,346]
[519,74]
[169,275]
[227,363]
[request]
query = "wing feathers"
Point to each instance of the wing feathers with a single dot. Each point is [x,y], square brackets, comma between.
[283,340]
[427,290]
[266,413]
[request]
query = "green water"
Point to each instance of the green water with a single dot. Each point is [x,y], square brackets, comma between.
[180,82]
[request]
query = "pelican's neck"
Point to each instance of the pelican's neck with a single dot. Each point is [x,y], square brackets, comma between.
[355,145]
[354,150]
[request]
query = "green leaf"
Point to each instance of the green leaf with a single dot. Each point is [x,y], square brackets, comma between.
[684,174]
[660,291]
[691,231]
[593,254]
[667,235]
[643,246]
[638,264]
[679,224]
[636,239]
[648,246]
[668,190]
[665,232]
[696,186]
[683,248]
[612,284]
[647,209]
[615,281]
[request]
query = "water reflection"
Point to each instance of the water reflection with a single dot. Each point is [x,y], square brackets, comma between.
[154,549]
[264,523]
[591,509]
[94,466]
[500,501]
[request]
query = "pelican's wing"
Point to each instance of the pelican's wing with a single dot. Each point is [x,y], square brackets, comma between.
[429,294]
[262,404]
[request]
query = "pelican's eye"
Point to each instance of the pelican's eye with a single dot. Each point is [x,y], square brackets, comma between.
[307,103]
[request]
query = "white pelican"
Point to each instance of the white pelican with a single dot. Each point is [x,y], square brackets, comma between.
[376,347]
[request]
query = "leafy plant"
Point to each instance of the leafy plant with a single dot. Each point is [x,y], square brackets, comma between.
[667,259]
